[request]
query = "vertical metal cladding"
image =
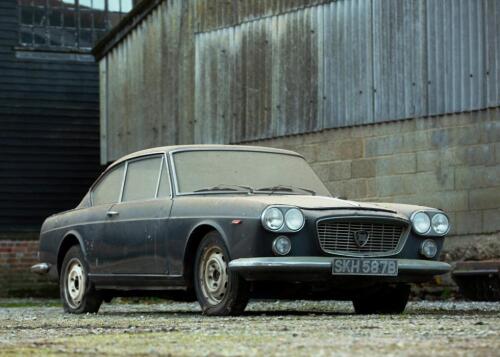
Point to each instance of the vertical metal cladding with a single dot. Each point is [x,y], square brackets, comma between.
[492,47]
[149,89]
[347,72]
[399,62]
[233,71]
[258,79]
[458,61]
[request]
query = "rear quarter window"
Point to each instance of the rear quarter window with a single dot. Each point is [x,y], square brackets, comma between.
[108,188]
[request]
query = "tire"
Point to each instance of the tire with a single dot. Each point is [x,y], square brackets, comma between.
[387,299]
[77,294]
[219,291]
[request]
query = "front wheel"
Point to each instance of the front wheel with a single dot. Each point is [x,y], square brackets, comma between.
[77,294]
[219,291]
[387,299]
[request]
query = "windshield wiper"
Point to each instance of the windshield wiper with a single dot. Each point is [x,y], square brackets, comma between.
[286,188]
[225,187]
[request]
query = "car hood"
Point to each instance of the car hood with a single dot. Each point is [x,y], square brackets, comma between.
[318,202]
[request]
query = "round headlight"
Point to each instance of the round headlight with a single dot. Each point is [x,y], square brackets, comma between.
[294,219]
[421,222]
[440,223]
[282,245]
[273,218]
[428,248]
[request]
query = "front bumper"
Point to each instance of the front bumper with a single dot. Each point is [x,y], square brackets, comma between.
[317,268]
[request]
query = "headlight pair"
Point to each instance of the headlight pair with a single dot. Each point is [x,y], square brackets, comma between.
[283,219]
[430,223]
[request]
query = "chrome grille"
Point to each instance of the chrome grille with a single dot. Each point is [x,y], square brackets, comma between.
[337,236]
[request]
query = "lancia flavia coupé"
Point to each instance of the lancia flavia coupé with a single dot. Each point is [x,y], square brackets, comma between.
[222,224]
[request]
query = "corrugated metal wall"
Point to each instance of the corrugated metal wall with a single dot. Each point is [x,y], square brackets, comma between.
[146,84]
[262,69]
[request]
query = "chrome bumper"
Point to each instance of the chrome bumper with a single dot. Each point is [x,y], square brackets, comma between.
[324,265]
[40,268]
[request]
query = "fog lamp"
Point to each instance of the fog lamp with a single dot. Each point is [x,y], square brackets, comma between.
[428,248]
[282,245]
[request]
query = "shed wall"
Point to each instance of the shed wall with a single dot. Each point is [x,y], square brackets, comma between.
[392,100]
[209,71]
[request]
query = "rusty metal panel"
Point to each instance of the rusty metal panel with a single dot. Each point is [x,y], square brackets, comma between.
[456,55]
[151,104]
[103,109]
[215,71]
[213,124]
[275,67]
[152,82]
[347,65]
[492,46]
[294,72]
[170,70]
[216,14]
[399,59]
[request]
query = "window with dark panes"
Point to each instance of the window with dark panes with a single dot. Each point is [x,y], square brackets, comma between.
[68,24]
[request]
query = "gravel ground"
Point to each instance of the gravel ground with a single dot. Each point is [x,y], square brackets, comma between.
[268,328]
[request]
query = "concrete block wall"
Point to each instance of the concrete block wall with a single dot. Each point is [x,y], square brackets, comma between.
[450,162]
[16,258]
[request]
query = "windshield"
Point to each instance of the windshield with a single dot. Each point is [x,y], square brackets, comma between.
[245,171]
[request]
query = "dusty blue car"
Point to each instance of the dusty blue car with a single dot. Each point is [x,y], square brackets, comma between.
[221,224]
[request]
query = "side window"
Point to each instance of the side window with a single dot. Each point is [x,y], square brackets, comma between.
[108,189]
[142,178]
[164,189]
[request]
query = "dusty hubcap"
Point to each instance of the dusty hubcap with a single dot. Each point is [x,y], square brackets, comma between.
[75,283]
[213,275]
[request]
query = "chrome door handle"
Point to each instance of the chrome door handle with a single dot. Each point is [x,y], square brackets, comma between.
[112,213]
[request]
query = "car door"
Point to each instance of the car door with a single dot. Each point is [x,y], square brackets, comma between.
[139,220]
[105,193]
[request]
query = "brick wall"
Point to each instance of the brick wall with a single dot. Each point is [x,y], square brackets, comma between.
[450,162]
[16,258]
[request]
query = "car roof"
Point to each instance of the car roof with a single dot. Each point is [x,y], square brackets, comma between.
[177,148]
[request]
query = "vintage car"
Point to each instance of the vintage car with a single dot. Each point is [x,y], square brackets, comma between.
[223,223]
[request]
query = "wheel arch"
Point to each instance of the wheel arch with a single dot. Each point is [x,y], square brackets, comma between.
[194,239]
[69,240]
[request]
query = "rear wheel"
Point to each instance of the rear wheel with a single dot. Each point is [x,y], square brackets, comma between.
[77,294]
[219,291]
[387,299]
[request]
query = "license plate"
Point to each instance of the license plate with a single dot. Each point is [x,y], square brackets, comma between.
[359,266]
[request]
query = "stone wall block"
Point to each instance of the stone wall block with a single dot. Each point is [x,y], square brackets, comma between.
[363,168]
[485,198]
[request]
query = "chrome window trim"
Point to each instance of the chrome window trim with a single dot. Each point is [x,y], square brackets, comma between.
[397,250]
[159,177]
[165,162]
[125,170]
[174,172]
